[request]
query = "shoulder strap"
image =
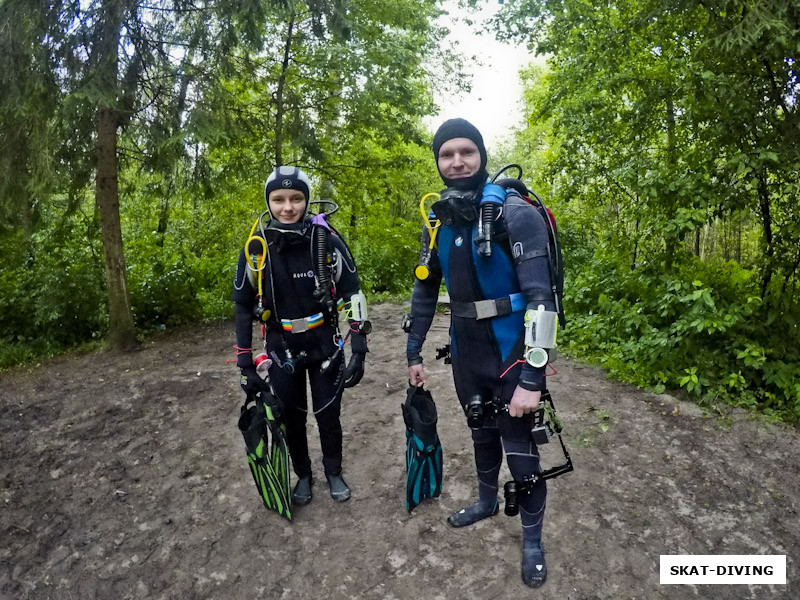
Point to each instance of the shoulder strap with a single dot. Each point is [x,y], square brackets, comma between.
[518,254]
[551,251]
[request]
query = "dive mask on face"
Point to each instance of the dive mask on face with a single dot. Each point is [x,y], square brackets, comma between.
[456,207]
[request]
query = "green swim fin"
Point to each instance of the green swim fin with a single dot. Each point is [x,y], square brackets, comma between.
[423,448]
[267,454]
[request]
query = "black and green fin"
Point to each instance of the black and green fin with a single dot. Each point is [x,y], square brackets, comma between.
[279,455]
[423,448]
[267,456]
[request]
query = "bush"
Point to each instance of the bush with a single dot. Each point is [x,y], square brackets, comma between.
[386,251]
[703,328]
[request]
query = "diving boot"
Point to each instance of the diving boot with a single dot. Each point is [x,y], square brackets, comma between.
[339,490]
[472,514]
[302,491]
[534,569]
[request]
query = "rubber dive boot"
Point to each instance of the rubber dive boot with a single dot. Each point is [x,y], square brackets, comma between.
[472,514]
[534,569]
[302,491]
[339,490]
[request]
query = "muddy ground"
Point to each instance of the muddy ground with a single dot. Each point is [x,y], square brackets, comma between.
[124,476]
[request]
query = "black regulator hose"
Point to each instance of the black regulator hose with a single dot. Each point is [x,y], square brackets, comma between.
[491,202]
[506,168]
[487,218]
[323,291]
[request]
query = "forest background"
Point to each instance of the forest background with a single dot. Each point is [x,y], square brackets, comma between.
[135,136]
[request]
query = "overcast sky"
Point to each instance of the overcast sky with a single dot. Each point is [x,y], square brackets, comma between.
[493,105]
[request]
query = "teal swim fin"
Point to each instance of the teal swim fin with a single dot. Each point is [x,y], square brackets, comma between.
[267,454]
[423,449]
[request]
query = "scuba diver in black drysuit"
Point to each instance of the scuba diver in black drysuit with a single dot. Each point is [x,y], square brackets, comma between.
[491,298]
[307,271]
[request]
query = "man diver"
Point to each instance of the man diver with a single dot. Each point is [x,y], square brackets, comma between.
[306,269]
[493,297]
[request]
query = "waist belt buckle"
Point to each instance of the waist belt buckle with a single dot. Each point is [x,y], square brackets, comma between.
[485,309]
[299,325]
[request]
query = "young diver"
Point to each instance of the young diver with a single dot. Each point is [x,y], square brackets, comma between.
[306,270]
[490,293]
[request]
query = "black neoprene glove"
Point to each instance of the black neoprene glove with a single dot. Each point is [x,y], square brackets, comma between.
[358,342]
[253,384]
[251,381]
[354,370]
[273,402]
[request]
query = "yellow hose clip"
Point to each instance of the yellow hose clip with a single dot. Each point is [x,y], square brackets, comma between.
[422,270]
[430,225]
[255,251]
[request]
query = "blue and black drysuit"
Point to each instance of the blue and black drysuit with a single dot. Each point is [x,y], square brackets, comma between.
[288,287]
[484,350]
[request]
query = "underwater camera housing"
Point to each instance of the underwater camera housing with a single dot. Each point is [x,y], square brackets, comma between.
[477,410]
[474,411]
[511,491]
[544,428]
[546,425]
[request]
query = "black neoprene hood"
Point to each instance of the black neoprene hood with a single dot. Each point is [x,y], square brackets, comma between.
[460,128]
[291,178]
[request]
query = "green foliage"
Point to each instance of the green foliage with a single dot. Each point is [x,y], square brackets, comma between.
[209,99]
[52,290]
[685,120]
[670,152]
[701,329]
[386,253]
[380,216]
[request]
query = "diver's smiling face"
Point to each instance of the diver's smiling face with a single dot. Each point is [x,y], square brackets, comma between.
[458,158]
[288,206]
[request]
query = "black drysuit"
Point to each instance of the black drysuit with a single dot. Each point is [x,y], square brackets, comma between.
[288,286]
[485,352]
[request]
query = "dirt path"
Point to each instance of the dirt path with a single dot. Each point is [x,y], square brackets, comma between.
[125,477]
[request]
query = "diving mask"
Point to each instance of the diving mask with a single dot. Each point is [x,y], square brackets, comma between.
[456,207]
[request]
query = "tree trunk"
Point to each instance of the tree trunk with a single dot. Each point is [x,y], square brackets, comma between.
[739,242]
[669,240]
[121,330]
[766,221]
[279,104]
